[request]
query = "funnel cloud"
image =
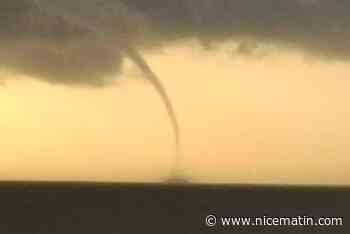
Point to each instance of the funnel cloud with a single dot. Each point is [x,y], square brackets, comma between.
[94,21]
[84,42]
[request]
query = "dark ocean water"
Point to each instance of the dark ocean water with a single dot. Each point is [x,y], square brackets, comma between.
[113,208]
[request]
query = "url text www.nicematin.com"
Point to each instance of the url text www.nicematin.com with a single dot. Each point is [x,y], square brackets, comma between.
[213,220]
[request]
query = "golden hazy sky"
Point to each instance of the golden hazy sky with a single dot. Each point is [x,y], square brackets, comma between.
[281,117]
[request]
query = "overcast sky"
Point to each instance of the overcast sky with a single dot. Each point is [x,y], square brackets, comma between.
[260,89]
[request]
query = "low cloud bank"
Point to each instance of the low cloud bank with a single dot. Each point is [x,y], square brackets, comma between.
[82,42]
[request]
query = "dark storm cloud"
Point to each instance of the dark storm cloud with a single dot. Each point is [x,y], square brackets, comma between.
[58,43]
[40,40]
[319,27]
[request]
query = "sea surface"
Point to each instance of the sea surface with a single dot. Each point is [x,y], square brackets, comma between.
[125,208]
